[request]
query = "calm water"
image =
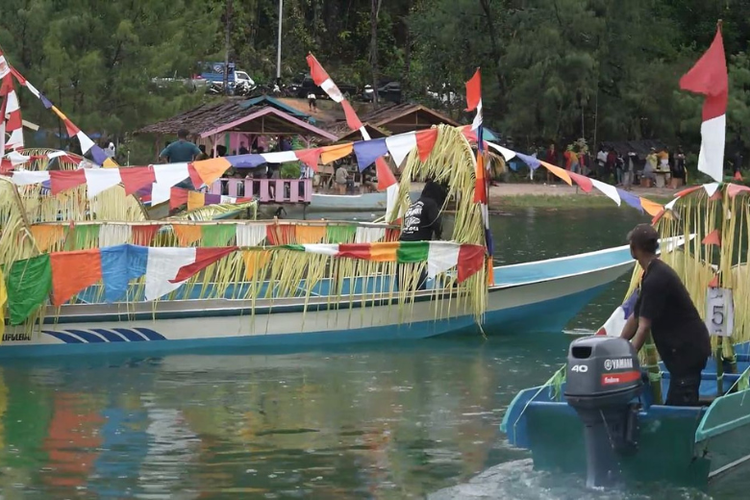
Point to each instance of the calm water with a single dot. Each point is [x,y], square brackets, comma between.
[398,421]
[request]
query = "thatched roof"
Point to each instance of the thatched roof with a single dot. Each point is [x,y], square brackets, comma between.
[406,117]
[256,116]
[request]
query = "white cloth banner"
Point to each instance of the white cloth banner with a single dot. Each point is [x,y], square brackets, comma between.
[114,234]
[162,265]
[442,256]
[250,235]
[711,157]
[399,146]
[101,179]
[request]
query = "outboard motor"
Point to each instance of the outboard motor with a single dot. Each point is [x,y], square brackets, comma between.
[603,378]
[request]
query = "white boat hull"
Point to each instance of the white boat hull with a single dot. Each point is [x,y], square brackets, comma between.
[351,202]
[542,304]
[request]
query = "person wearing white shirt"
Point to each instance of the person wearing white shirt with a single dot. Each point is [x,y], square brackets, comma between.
[601,162]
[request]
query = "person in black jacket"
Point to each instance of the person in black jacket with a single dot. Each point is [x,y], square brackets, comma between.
[664,308]
[422,220]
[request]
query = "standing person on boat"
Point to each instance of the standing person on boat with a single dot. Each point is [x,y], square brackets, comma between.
[665,309]
[422,221]
[181,151]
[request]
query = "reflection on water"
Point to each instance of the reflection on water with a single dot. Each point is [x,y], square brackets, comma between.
[353,422]
[382,421]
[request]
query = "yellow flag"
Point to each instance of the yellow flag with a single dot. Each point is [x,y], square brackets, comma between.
[3,299]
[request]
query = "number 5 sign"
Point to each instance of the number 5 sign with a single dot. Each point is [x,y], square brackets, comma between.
[719,312]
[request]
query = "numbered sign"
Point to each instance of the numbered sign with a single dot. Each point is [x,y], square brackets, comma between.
[719,312]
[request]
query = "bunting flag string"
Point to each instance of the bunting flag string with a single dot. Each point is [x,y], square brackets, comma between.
[11,123]
[199,199]
[82,235]
[87,145]
[14,159]
[165,176]
[63,275]
[386,180]
[481,189]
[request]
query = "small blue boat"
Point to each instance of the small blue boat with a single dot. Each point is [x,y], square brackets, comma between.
[688,446]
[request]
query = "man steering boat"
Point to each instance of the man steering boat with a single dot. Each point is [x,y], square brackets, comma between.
[664,308]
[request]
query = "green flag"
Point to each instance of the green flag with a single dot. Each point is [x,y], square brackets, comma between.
[218,235]
[29,283]
[341,234]
[413,251]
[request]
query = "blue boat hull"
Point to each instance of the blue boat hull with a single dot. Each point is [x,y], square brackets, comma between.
[687,446]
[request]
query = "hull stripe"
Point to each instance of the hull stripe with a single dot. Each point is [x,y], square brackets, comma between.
[88,337]
[109,335]
[131,335]
[68,339]
[150,334]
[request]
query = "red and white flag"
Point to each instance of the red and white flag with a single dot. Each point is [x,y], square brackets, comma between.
[709,77]
[386,180]
[474,98]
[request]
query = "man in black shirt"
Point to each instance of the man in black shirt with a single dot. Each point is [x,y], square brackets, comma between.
[664,307]
[422,220]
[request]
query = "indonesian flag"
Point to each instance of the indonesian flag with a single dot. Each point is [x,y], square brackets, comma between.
[386,180]
[709,77]
[321,79]
[474,103]
[168,268]
[474,100]
[10,111]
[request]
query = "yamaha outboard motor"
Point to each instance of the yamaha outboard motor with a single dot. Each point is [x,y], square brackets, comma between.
[603,379]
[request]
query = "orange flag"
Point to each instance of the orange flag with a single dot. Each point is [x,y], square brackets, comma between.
[330,154]
[47,236]
[309,234]
[187,235]
[210,170]
[73,272]
[195,199]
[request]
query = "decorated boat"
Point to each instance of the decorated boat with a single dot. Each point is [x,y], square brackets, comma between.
[290,308]
[112,282]
[602,413]
[646,440]
[366,202]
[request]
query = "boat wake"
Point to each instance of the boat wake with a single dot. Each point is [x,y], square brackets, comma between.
[518,480]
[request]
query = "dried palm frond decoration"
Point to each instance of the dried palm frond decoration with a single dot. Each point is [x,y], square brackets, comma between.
[219,211]
[716,253]
[73,204]
[452,162]
[16,242]
[69,221]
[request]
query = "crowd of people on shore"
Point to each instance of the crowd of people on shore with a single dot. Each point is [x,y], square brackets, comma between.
[623,168]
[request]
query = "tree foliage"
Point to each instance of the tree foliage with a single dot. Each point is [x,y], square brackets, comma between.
[552,69]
